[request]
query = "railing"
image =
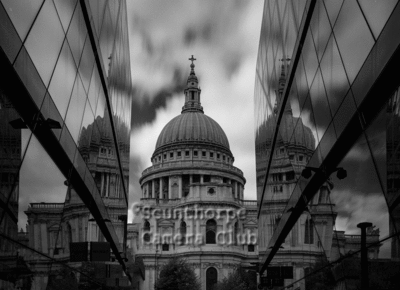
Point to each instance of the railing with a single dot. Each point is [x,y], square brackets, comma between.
[211,164]
[249,202]
[47,205]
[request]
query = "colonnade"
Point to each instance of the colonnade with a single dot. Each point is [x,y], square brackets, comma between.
[172,187]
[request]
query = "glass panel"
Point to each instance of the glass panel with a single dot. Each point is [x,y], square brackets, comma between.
[63,80]
[320,104]
[377,13]
[94,89]
[40,180]
[49,110]
[97,11]
[344,113]
[30,77]
[87,64]
[65,8]
[44,53]
[76,107]
[22,14]
[334,75]
[353,37]
[332,9]
[106,46]
[310,59]
[320,28]
[68,143]
[76,34]
[9,40]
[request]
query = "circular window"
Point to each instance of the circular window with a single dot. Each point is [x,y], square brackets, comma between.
[211,190]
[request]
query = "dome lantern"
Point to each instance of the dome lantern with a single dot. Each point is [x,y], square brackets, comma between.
[192,92]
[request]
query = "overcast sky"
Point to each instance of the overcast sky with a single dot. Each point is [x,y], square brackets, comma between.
[223,36]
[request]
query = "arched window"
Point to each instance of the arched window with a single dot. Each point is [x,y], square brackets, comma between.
[309,232]
[211,278]
[211,228]
[182,230]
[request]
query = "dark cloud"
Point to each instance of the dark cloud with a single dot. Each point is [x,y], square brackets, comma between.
[202,32]
[144,111]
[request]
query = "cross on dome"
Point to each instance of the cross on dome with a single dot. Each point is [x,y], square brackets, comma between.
[192,59]
[192,65]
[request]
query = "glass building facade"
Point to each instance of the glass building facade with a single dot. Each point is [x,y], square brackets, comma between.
[327,152]
[65,113]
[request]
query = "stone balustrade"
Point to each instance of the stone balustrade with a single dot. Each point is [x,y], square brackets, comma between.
[189,163]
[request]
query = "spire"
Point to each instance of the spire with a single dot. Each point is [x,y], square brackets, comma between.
[192,92]
[192,65]
[282,83]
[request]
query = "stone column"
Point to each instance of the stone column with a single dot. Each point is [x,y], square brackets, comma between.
[107,184]
[169,187]
[180,186]
[202,179]
[102,184]
[153,194]
[160,188]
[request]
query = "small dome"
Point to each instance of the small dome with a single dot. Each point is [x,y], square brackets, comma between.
[193,127]
[292,131]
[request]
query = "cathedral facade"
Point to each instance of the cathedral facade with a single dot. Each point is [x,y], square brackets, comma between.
[192,203]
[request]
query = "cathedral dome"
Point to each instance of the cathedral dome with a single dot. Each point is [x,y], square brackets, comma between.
[192,126]
[292,131]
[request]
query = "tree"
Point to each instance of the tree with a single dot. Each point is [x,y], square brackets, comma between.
[177,275]
[240,279]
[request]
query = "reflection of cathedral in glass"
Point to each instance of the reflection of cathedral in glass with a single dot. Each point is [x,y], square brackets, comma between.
[312,239]
[96,148]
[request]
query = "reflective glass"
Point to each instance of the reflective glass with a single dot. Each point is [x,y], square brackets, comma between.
[10,41]
[65,9]
[76,34]
[106,47]
[40,179]
[97,10]
[377,13]
[63,80]
[87,64]
[44,41]
[320,104]
[353,38]
[310,58]
[333,9]
[43,209]
[334,75]
[94,89]
[22,14]
[320,28]
[49,110]
[30,77]
[345,112]
[76,107]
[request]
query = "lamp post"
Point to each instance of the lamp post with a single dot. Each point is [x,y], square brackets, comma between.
[364,255]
